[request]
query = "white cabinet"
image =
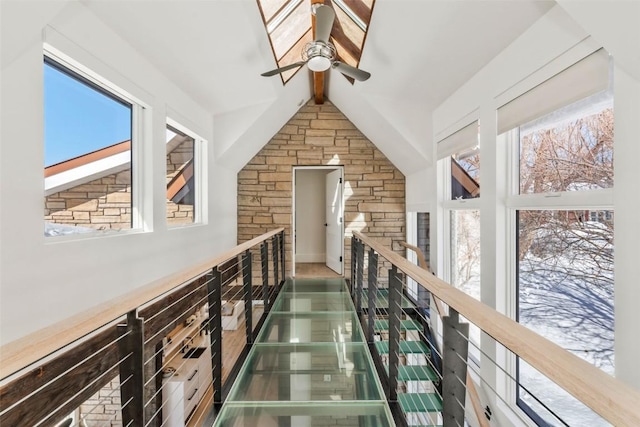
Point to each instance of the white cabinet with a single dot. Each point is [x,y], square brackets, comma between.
[182,392]
[232,314]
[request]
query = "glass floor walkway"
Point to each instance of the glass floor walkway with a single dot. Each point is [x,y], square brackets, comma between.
[310,365]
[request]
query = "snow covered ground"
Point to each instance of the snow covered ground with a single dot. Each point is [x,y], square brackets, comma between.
[568,298]
[565,295]
[53,229]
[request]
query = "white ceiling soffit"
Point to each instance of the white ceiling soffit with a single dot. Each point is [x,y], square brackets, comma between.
[19,18]
[213,50]
[424,50]
[615,25]
[419,53]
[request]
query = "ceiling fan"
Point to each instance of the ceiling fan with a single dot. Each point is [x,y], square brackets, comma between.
[320,54]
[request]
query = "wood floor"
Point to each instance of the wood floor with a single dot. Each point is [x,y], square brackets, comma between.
[233,341]
[314,269]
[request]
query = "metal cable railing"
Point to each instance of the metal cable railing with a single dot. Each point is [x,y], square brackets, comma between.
[166,358]
[388,309]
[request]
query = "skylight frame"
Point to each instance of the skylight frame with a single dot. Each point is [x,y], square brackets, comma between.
[282,15]
[355,19]
[351,14]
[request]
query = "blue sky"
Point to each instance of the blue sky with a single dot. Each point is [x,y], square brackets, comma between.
[79,119]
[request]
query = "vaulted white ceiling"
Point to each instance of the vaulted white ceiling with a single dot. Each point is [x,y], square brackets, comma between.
[418,52]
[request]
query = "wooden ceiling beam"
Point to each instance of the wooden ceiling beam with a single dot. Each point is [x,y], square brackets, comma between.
[318,78]
[318,87]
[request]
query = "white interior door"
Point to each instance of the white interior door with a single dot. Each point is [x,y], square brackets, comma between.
[333,220]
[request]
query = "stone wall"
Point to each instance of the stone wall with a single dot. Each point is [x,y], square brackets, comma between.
[102,204]
[103,408]
[179,213]
[178,157]
[374,188]
[105,203]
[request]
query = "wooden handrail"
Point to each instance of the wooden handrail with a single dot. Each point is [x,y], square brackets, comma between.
[612,399]
[471,388]
[18,354]
[475,402]
[422,261]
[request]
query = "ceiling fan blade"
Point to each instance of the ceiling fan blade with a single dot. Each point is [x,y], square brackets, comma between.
[350,71]
[324,22]
[283,69]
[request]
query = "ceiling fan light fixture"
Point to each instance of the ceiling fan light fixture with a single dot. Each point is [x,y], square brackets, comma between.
[319,63]
[319,55]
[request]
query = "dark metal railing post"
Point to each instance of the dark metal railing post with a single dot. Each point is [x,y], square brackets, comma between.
[359,275]
[455,337]
[395,311]
[214,298]
[282,259]
[131,369]
[248,298]
[372,292]
[264,258]
[274,254]
[353,267]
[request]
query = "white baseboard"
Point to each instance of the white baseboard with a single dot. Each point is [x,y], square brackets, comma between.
[310,258]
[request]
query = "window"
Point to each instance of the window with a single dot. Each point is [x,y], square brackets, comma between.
[459,158]
[181,177]
[89,140]
[464,263]
[568,150]
[563,176]
[565,293]
[463,149]
[465,174]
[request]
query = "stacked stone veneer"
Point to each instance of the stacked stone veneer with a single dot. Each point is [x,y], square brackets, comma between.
[103,408]
[102,204]
[374,188]
[105,203]
[177,159]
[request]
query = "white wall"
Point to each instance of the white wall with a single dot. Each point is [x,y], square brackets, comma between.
[553,43]
[43,281]
[310,215]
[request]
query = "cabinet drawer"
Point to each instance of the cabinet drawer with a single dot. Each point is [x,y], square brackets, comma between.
[193,375]
[191,399]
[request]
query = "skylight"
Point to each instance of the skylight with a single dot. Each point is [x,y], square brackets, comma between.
[288,25]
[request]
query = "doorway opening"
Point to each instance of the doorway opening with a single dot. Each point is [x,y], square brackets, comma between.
[318,221]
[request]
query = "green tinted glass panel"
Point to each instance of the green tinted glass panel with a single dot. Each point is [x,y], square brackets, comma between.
[312,327]
[318,372]
[309,365]
[313,301]
[361,414]
[382,299]
[315,285]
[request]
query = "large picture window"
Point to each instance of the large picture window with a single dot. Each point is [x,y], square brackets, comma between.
[565,293]
[562,201]
[569,150]
[89,140]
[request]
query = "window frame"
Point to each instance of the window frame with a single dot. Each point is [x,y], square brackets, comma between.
[592,200]
[141,220]
[199,151]
[449,205]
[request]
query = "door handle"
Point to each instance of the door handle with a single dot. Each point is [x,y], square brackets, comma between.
[326,225]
